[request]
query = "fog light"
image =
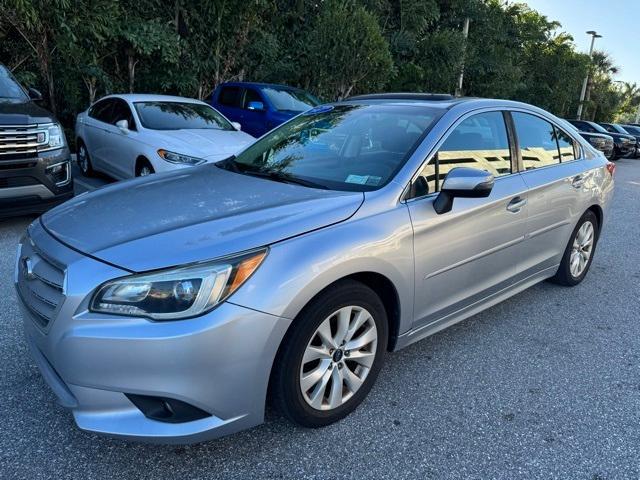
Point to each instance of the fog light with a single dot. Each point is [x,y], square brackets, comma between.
[60,173]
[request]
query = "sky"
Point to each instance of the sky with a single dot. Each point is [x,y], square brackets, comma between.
[616,20]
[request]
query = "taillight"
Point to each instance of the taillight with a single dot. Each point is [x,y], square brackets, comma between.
[611,168]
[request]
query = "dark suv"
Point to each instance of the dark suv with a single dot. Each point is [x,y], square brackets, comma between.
[624,144]
[35,166]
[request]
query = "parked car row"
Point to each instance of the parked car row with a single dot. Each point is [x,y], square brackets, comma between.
[614,140]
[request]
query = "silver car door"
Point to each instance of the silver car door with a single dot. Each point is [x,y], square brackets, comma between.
[120,147]
[555,178]
[96,134]
[472,251]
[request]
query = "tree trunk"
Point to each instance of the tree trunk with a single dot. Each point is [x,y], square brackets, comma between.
[131,68]
[44,59]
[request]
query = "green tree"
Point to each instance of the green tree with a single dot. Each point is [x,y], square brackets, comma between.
[346,50]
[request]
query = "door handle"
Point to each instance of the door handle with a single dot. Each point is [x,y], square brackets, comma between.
[516,204]
[577,181]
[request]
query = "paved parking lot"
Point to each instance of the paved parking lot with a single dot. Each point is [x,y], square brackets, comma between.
[545,385]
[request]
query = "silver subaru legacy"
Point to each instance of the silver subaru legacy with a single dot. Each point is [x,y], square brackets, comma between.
[172,308]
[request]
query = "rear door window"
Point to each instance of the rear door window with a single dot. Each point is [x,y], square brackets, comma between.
[230,96]
[102,110]
[537,139]
[568,148]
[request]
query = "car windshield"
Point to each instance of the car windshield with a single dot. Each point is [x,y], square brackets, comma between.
[632,129]
[180,116]
[619,129]
[9,88]
[344,147]
[290,100]
[597,127]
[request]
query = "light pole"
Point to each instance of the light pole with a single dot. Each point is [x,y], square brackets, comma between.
[465,34]
[594,35]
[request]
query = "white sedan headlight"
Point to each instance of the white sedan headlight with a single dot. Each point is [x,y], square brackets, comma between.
[176,293]
[174,157]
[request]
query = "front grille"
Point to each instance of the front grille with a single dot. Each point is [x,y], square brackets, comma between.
[41,289]
[17,182]
[19,140]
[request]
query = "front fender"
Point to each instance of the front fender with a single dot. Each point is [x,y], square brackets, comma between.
[296,270]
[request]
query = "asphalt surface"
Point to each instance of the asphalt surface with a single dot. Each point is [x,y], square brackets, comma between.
[544,385]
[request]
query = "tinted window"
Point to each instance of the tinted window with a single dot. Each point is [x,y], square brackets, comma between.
[102,110]
[346,147]
[9,88]
[180,116]
[251,96]
[121,111]
[229,96]
[290,100]
[537,140]
[567,146]
[479,141]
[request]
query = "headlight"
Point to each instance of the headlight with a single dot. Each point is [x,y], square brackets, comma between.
[176,293]
[174,157]
[51,137]
[597,142]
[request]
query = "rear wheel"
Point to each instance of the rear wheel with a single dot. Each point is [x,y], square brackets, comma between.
[332,356]
[579,252]
[84,161]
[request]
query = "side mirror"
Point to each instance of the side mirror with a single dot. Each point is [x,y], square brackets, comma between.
[236,125]
[463,182]
[255,106]
[123,125]
[34,94]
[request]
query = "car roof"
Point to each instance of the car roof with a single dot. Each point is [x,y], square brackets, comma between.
[259,85]
[438,100]
[149,97]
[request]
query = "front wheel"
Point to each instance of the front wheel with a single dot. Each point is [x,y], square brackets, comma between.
[144,168]
[579,252]
[330,359]
[84,161]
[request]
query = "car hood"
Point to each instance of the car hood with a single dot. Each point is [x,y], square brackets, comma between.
[619,136]
[18,112]
[206,212]
[204,143]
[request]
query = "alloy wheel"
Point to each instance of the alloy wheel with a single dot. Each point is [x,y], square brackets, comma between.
[144,171]
[338,358]
[82,159]
[581,249]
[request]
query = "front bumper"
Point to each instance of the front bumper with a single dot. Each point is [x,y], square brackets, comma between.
[219,363]
[28,187]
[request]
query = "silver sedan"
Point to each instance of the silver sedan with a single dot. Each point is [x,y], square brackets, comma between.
[286,273]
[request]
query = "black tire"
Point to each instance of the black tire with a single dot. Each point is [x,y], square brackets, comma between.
[84,160]
[143,164]
[285,389]
[564,276]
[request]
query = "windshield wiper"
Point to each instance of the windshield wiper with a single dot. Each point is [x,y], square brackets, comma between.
[233,166]
[229,163]
[284,178]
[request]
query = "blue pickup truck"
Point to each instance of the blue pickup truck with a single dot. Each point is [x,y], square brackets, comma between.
[260,107]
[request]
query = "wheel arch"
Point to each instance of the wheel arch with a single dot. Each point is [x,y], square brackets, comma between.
[140,159]
[599,213]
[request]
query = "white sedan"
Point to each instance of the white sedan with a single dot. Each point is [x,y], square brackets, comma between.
[134,135]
